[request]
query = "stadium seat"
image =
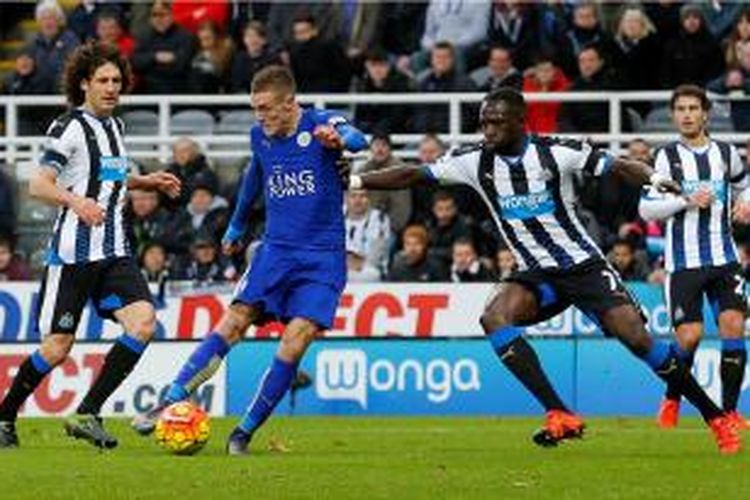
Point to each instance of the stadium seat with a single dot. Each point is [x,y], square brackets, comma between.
[141,122]
[658,120]
[192,122]
[235,122]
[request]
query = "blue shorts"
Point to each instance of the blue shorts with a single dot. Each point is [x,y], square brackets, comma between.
[294,283]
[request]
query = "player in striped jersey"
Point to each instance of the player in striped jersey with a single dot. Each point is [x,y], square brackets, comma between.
[701,257]
[84,173]
[526,181]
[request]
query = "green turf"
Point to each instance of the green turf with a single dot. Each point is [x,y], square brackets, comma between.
[390,458]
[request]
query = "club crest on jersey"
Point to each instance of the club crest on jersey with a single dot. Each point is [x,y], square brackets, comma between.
[113,168]
[526,206]
[288,184]
[304,139]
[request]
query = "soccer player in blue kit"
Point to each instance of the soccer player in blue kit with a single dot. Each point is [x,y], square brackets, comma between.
[299,271]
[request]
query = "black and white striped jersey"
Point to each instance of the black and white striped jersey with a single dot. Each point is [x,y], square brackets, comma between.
[531,197]
[89,155]
[699,237]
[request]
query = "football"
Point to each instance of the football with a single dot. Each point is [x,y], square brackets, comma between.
[183,428]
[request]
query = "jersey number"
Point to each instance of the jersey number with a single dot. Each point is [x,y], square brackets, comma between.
[612,280]
[740,288]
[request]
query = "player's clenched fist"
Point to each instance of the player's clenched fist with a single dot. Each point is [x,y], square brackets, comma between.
[88,211]
[328,136]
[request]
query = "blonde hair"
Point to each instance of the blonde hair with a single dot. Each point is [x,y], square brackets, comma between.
[648,26]
[49,5]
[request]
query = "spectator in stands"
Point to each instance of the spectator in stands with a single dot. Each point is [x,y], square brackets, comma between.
[499,72]
[666,17]
[506,263]
[109,30]
[594,76]
[148,220]
[514,26]
[192,14]
[283,15]
[319,65]
[720,16]
[405,21]
[462,24]
[358,31]
[12,266]
[189,165]
[443,76]
[257,54]
[204,265]
[430,149]
[206,213]
[368,239]
[623,259]
[736,82]
[466,266]
[154,263]
[447,226]
[82,19]
[7,202]
[210,66]
[24,79]
[413,263]
[585,31]
[51,46]
[395,204]
[381,77]
[637,48]
[542,117]
[162,59]
[740,33]
[694,56]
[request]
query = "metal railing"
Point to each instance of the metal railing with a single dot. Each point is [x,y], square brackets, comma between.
[27,148]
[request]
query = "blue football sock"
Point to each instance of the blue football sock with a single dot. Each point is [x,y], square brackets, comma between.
[274,385]
[201,366]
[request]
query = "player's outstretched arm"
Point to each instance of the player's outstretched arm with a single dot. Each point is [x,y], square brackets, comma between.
[639,174]
[43,187]
[390,178]
[164,182]
[251,182]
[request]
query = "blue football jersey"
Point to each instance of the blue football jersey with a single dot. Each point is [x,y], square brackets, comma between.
[302,190]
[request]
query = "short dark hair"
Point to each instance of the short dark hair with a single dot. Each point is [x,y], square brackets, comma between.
[274,78]
[376,54]
[463,240]
[510,96]
[624,242]
[592,46]
[443,196]
[257,27]
[445,45]
[83,63]
[690,90]
[305,16]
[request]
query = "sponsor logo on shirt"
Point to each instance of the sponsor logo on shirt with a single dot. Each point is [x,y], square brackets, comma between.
[526,206]
[113,168]
[291,184]
[717,188]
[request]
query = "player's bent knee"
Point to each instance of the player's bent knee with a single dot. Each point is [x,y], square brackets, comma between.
[236,322]
[55,347]
[732,324]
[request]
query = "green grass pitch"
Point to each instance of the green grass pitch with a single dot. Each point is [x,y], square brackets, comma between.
[393,458]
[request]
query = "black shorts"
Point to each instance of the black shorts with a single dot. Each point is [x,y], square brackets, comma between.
[110,284]
[724,287]
[593,286]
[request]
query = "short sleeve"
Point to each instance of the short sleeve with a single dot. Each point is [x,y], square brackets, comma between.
[737,170]
[661,163]
[325,117]
[455,167]
[60,144]
[581,157]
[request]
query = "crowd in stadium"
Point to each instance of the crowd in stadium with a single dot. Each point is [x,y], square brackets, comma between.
[437,46]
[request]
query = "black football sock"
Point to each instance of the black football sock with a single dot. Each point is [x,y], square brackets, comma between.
[733,361]
[670,368]
[687,357]
[519,357]
[30,374]
[118,364]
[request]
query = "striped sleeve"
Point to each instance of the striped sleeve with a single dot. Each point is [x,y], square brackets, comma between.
[60,144]
[454,167]
[582,157]
[738,177]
